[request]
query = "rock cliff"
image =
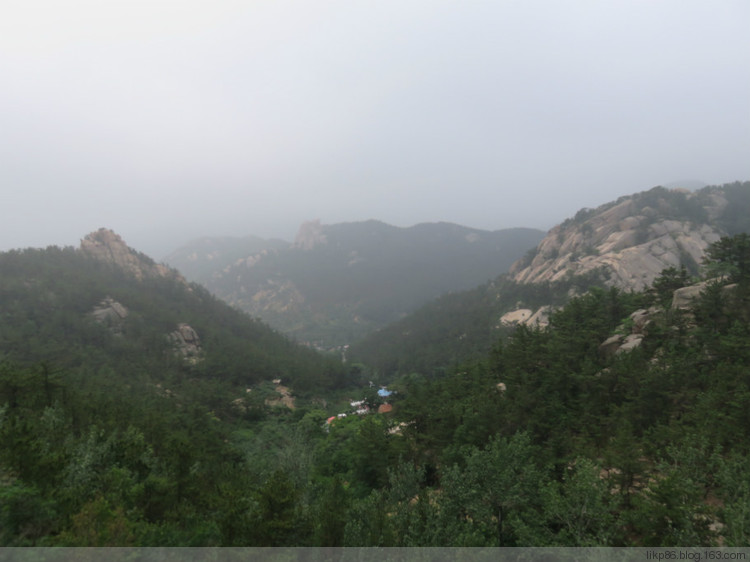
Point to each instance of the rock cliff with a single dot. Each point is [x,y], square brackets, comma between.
[629,242]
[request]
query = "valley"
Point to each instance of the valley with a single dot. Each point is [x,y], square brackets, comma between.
[492,384]
[338,283]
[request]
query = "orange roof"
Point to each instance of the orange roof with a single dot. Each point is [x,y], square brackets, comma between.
[384,408]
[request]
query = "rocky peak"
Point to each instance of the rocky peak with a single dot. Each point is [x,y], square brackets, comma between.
[629,241]
[309,235]
[107,246]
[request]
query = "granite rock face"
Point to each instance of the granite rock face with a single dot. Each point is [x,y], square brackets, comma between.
[682,299]
[628,242]
[109,247]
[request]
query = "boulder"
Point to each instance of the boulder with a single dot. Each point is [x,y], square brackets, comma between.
[540,318]
[110,313]
[519,316]
[643,318]
[630,343]
[186,342]
[611,345]
[682,299]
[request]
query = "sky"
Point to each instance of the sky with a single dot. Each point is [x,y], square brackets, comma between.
[168,120]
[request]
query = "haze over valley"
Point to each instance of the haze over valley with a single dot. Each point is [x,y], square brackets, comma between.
[403,274]
[139,409]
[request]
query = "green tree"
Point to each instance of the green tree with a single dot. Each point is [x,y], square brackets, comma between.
[276,517]
[579,510]
[499,490]
[331,513]
[667,283]
[734,490]
[730,256]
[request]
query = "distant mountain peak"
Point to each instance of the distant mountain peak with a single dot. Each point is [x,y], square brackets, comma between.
[310,234]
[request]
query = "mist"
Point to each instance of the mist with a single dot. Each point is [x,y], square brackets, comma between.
[167,120]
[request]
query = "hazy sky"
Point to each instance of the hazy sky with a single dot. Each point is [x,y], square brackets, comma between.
[171,119]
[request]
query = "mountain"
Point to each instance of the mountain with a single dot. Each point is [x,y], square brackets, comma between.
[630,241]
[624,244]
[339,282]
[143,418]
[204,259]
[126,398]
[82,308]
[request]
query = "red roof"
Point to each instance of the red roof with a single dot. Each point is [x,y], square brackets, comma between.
[384,408]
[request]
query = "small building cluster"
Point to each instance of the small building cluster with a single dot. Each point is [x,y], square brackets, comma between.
[360,407]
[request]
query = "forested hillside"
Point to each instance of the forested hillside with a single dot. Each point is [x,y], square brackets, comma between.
[623,422]
[118,398]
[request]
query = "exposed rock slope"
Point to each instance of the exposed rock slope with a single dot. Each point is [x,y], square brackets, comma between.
[107,246]
[630,241]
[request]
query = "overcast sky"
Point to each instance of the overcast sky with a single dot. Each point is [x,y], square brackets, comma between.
[166,120]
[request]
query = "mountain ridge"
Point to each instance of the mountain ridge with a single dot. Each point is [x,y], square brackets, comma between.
[630,240]
[462,326]
[337,282]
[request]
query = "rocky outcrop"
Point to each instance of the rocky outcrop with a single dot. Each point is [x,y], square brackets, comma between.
[186,343]
[631,334]
[109,309]
[682,299]
[520,316]
[109,247]
[110,313]
[628,242]
[527,317]
[541,317]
